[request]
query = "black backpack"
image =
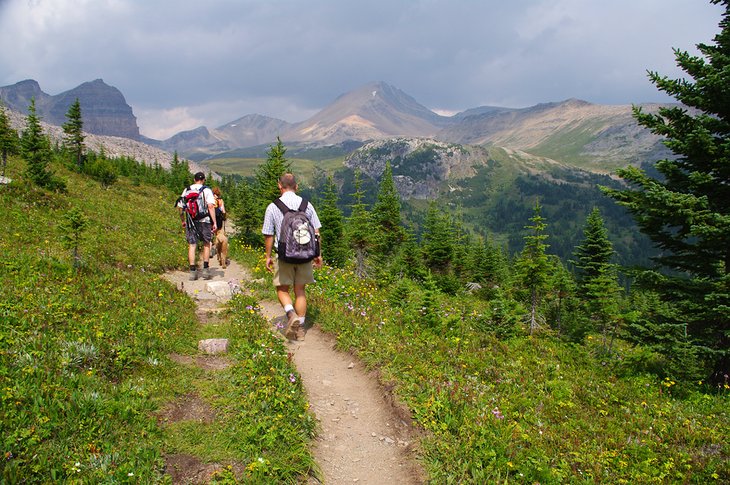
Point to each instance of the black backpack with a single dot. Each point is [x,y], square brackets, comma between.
[298,242]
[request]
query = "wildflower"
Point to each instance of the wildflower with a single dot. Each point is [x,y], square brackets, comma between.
[292,378]
[497,413]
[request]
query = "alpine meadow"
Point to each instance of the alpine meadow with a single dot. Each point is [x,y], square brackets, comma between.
[539,321]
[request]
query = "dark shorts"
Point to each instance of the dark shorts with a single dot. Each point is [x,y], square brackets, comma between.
[200,231]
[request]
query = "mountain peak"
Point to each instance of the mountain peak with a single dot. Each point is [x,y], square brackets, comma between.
[375,110]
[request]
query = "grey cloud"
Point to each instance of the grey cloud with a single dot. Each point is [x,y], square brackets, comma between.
[287,58]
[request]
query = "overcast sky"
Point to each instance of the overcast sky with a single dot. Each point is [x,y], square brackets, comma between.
[181,64]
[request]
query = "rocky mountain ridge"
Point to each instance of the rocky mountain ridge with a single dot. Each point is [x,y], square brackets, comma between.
[112,146]
[591,136]
[104,109]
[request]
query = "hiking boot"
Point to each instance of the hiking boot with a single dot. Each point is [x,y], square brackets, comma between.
[206,274]
[193,275]
[292,328]
[301,332]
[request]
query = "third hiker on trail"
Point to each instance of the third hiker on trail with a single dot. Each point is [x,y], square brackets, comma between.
[197,213]
[292,227]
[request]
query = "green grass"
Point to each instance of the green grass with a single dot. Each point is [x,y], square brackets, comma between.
[84,351]
[524,409]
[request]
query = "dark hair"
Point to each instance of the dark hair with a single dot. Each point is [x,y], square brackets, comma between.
[288,181]
[199,176]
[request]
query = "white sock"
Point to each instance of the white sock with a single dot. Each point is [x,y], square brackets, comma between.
[301,321]
[288,308]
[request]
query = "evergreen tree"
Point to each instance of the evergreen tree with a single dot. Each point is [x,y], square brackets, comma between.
[179,174]
[248,219]
[430,317]
[73,133]
[267,175]
[462,242]
[8,139]
[73,226]
[334,246]
[359,228]
[437,240]
[564,289]
[533,266]
[389,233]
[36,149]
[685,209]
[595,252]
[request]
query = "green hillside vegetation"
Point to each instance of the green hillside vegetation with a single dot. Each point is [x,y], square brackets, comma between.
[568,146]
[85,345]
[86,368]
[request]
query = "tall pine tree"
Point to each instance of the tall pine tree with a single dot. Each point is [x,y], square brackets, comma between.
[8,139]
[389,233]
[437,240]
[73,138]
[36,149]
[359,228]
[595,252]
[533,266]
[334,245]
[686,210]
[267,175]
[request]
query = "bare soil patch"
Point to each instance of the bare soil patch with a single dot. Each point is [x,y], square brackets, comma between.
[188,408]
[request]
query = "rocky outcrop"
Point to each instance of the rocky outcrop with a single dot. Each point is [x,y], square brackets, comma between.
[103,108]
[420,165]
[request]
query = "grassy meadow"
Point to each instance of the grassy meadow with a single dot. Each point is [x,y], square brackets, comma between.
[85,346]
[86,374]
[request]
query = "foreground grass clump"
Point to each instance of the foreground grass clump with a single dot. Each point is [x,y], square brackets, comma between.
[525,409]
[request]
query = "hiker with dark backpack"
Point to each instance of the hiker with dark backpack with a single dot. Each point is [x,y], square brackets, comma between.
[292,227]
[197,213]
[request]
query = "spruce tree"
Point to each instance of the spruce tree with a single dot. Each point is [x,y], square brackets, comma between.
[248,220]
[533,266]
[359,228]
[179,174]
[389,233]
[596,250]
[36,149]
[334,250]
[73,133]
[8,139]
[437,240]
[267,175]
[685,209]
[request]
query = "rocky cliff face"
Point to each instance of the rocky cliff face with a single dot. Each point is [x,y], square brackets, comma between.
[103,107]
[420,165]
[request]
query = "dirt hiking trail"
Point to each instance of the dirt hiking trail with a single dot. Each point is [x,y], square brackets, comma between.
[364,437]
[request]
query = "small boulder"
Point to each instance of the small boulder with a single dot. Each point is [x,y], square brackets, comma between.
[218,288]
[213,345]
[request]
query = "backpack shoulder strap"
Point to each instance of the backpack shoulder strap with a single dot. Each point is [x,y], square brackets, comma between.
[281,205]
[303,205]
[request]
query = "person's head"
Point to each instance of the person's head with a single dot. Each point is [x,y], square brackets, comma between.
[287,182]
[216,191]
[199,177]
